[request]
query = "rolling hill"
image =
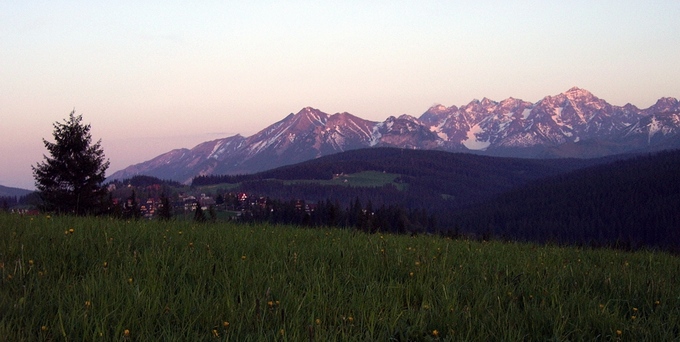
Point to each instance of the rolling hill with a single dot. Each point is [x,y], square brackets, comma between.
[433,180]
[6,191]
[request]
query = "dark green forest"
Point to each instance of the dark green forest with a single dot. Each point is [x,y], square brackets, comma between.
[629,204]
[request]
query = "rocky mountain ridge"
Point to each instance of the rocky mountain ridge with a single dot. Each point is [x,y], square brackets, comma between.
[575,123]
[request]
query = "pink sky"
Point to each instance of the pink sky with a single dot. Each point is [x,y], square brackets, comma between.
[156,76]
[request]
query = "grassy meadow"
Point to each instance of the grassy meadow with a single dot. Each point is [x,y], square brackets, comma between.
[96,279]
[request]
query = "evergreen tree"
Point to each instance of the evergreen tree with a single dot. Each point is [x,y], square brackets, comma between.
[131,207]
[199,216]
[70,179]
[354,214]
[113,209]
[165,210]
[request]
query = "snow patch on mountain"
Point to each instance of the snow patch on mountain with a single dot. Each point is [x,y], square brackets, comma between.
[472,143]
[375,135]
[654,127]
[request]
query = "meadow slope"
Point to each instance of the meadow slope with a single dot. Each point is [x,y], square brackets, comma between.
[83,279]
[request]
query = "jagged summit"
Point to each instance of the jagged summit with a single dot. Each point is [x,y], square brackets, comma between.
[574,123]
[666,104]
[576,92]
[486,101]
[308,109]
[576,89]
[437,108]
[307,117]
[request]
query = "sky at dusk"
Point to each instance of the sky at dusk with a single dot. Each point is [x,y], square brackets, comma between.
[152,76]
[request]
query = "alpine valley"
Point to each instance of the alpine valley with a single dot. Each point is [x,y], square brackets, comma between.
[575,123]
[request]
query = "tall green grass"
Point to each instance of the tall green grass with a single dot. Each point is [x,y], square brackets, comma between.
[82,279]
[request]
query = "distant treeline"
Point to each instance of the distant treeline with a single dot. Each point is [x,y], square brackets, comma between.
[142,181]
[393,219]
[7,202]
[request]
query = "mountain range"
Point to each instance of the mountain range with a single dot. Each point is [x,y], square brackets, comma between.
[575,123]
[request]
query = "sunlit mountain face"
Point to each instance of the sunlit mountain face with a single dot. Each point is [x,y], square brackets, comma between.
[575,123]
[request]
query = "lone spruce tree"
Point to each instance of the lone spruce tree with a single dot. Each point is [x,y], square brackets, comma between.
[165,209]
[69,181]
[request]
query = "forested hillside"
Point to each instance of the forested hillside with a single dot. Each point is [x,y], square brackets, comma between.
[434,179]
[626,201]
[629,203]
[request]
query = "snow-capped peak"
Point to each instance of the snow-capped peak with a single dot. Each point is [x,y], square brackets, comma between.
[497,128]
[577,93]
